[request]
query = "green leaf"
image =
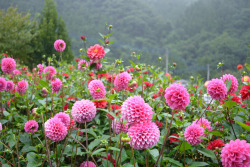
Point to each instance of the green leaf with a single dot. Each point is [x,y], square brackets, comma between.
[230,104]
[194,164]
[216,133]
[207,153]
[96,152]
[33,161]
[243,126]
[114,149]
[28,148]
[94,143]
[124,155]
[154,153]
[184,146]
[106,163]
[173,161]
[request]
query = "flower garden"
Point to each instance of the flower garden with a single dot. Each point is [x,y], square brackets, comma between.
[97,113]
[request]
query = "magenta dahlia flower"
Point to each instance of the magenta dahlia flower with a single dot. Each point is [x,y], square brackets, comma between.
[21,87]
[9,86]
[17,72]
[65,118]
[134,110]
[59,45]
[217,89]
[234,84]
[177,96]
[55,129]
[40,69]
[121,81]
[192,134]
[203,123]
[50,72]
[8,65]
[31,126]
[56,85]
[1,127]
[144,135]
[119,126]
[96,52]
[82,65]
[236,154]
[97,89]
[87,164]
[3,84]
[83,111]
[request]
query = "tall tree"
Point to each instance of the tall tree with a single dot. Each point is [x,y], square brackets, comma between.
[52,28]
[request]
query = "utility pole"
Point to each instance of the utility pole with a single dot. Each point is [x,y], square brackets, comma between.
[208,72]
[166,60]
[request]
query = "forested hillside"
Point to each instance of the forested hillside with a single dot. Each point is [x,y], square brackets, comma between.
[196,32]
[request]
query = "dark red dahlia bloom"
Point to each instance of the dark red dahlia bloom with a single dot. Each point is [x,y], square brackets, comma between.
[100,104]
[159,123]
[212,145]
[173,139]
[147,85]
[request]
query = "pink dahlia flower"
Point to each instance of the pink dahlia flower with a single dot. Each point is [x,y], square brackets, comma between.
[82,65]
[40,69]
[217,89]
[236,154]
[192,132]
[177,96]
[203,123]
[96,52]
[56,85]
[55,129]
[21,87]
[97,89]
[134,110]
[87,164]
[31,126]
[8,65]
[144,135]
[65,119]
[50,72]
[17,72]
[9,86]
[83,111]
[3,84]
[121,81]
[59,45]
[119,126]
[1,127]
[234,83]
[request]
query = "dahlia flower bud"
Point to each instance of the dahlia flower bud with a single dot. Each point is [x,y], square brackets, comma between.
[55,129]
[34,113]
[45,91]
[134,110]
[83,37]
[144,135]
[159,58]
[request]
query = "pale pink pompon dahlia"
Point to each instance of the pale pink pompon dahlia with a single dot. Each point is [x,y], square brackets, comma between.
[234,83]
[9,86]
[21,87]
[96,52]
[192,132]
[119,126]
[56,85]
[203,123]
[3,84]
[59,45]
[82,65]
[87,164]
[217,89]
[55,129]
[177,96]
[83,111]
[65,118]
[144,135]
[97,89]
[50,72]
[236,154]
[134,110]
[8,65]
[121,80]
[31,126]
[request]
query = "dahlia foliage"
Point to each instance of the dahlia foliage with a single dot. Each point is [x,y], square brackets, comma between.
[94,112]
